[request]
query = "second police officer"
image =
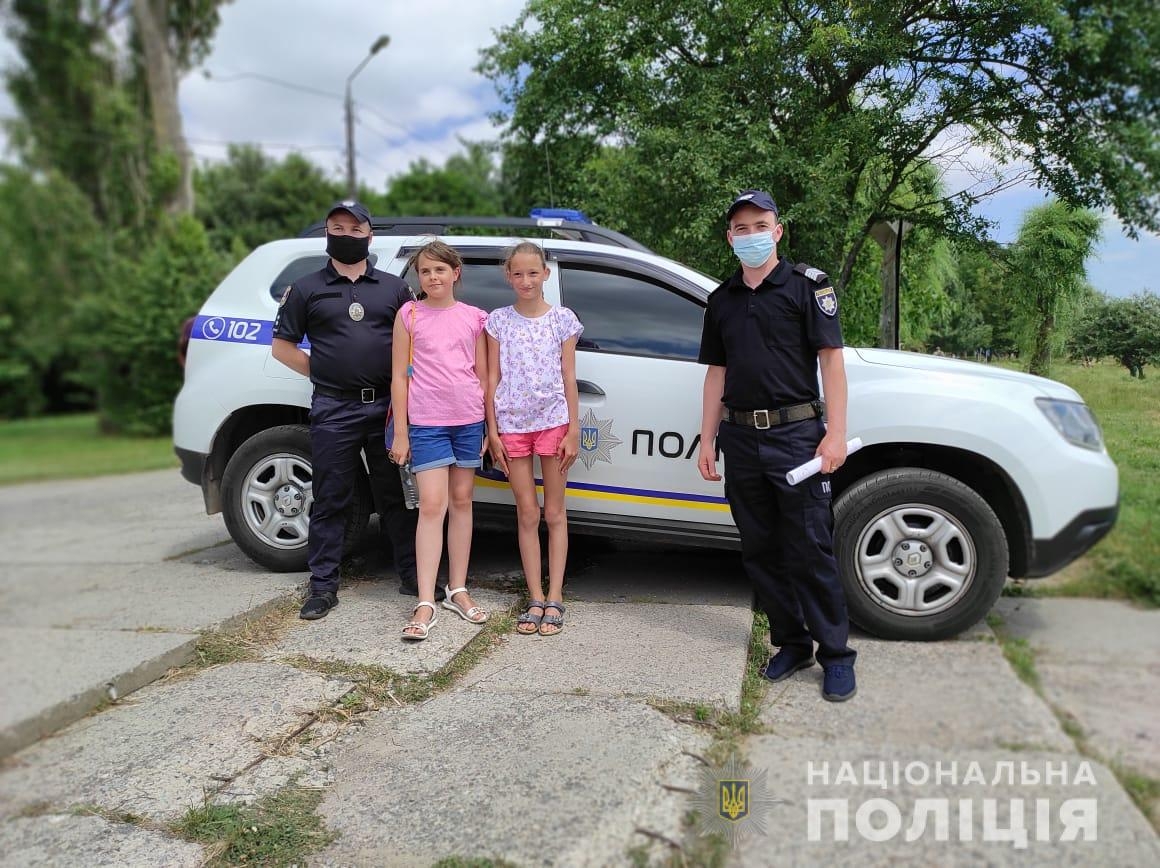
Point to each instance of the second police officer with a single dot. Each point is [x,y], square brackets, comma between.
[347,311]
[767,329]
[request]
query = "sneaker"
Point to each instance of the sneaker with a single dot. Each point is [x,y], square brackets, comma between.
[838,685]
[318,606]
[786,662]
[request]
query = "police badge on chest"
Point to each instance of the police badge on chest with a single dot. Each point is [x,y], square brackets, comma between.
[356,311]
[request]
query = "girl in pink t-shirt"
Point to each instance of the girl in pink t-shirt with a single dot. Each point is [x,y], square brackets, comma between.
[533,409]
[440,362]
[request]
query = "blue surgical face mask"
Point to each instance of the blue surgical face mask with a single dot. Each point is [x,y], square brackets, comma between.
[754,250]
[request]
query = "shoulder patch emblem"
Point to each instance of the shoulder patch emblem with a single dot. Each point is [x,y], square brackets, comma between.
[285,296]
[827,300]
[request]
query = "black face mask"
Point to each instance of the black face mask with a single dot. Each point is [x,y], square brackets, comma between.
[348,249]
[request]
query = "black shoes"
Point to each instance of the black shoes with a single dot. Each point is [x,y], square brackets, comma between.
[786,662]
[839,683]
[318,606]
[413,591]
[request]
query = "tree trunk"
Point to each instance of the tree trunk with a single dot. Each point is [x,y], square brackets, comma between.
[886,234]
[1041,352]
[152,17]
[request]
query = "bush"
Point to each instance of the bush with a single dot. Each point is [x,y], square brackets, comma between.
[134,327]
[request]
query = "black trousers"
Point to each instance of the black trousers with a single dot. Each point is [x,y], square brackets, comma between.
[787,536]
[340,431]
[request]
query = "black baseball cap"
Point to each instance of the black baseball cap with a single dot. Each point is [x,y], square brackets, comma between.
[757,198]
[361,214]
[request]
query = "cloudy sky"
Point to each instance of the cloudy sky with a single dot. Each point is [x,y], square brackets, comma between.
[278,69]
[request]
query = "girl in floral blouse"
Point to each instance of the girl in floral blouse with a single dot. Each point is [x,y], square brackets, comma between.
[533,409]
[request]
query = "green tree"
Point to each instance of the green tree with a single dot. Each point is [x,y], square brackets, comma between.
[55,255]
[1127,329]
[251,198]
[132,329]
[102,110]
[835,107]
[467,184]
[1047,271]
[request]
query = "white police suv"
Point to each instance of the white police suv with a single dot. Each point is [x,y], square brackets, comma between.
[969,473]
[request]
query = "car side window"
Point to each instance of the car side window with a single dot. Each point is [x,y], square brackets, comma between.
[301,267]
[482,284]
[632,314]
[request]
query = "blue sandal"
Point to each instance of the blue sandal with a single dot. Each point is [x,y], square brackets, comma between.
[528,618]
[556,621]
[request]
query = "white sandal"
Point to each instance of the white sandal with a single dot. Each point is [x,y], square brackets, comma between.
[472,615]
[419,625]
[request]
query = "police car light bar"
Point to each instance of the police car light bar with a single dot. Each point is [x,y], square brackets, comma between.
[557,215]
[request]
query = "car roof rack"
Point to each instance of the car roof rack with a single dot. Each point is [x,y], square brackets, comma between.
[570,229]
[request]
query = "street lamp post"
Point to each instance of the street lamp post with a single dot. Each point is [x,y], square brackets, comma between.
[351,182]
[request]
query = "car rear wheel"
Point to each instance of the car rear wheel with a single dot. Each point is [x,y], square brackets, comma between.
[921,554]
[267,496]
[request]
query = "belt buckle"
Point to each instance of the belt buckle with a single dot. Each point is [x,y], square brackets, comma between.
[757,414]
[363,396]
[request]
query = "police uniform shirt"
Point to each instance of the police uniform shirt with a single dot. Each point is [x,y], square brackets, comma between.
[345,354]
[768,338]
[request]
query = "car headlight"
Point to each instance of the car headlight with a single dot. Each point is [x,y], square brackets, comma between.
[1074,421]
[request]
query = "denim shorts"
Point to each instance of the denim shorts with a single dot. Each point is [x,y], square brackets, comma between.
[443,445]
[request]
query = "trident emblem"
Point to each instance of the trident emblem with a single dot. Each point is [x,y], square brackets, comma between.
[734,798]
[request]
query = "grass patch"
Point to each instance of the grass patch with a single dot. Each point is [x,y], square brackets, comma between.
[478,862]
[377,686]
[729,727]
[1018,652]
[1122,565]
[244,642]
[67,447]
[278,830]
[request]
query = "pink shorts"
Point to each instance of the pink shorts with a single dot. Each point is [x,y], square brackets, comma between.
[544,442]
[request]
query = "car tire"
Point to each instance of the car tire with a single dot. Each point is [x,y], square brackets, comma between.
[266,499]
[921,555]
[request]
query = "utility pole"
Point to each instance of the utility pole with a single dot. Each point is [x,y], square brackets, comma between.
[348,104]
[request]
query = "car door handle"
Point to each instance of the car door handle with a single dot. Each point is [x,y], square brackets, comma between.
[586,388]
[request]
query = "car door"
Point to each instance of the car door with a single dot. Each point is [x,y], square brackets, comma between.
[640,398]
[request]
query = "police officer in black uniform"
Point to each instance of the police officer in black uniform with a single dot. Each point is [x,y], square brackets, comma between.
[347,310]
[767,329]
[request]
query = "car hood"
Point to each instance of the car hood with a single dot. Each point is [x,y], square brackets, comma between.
[959,367]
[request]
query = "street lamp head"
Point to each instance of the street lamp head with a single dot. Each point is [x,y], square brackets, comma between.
[380,43]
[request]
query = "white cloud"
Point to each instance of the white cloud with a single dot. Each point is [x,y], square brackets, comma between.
[421,94]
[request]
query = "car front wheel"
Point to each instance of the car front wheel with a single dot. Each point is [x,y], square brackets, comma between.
[921,554]
[267,496]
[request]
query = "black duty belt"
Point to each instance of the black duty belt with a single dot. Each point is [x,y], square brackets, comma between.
[762,419]
[366,396]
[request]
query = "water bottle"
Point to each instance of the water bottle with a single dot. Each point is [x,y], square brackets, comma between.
[410,489]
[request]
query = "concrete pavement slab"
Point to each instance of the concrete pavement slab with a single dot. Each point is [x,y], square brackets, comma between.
[1099,662]
[1116,707]
[694,653]
[53,677]
[114,519]
[960,694]
[1083,631]
[535,779]
[161,752]
[366,628]
[170,595]
[63,839]
[1123,836]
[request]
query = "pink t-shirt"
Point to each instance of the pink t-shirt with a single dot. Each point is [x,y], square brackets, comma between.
[531,396]
[444,389]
